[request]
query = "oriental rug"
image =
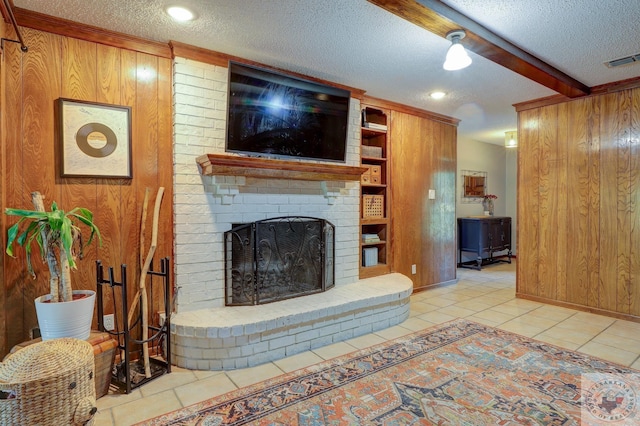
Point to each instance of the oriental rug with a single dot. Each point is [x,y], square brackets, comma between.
[458,373]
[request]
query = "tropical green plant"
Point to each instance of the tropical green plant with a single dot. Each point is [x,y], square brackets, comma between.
[59,239]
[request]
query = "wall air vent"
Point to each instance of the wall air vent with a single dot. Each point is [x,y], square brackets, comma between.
[623,61]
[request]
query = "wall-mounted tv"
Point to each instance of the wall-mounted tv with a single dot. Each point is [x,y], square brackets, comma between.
[275,115]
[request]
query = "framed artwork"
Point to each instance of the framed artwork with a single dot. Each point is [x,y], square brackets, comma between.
[95,139]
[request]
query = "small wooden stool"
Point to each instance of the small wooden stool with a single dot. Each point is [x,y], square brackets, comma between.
[104,351]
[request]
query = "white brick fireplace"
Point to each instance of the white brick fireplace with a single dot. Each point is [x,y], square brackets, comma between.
[208,335]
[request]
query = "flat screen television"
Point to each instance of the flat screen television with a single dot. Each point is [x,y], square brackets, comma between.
[279,116]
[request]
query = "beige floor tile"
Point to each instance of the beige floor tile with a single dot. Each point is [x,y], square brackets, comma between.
[575,325]
[456,296]
[422,307]
[522,328]
[334,350]
[394,332]
[593,319]
[437,317]
[204,389]
[456,311]
[573,336]
[167,381]
[114,398]
[626,329]
[493,316]
[548,338]
[609,339]
[483,321]
[416,324]
[608,353]
[553,312]
[203,374]
[439,301]
[512,310]
[473,305]
[543,323]
[103,418]
[248,376]
[366,341]
[154,405]
[298,361]
[636,364]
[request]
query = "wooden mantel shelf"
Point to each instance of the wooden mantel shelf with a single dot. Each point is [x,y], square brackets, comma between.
[229,165]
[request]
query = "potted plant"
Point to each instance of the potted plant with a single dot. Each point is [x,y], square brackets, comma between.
[63,312]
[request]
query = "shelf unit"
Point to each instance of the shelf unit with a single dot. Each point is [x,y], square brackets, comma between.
[375,196]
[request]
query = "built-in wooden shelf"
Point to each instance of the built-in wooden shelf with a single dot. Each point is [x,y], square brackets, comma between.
[230,165]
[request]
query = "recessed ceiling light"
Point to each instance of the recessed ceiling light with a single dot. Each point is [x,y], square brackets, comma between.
[180,13]
[437,95]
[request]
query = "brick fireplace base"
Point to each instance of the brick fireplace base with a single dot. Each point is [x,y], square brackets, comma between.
[227,338]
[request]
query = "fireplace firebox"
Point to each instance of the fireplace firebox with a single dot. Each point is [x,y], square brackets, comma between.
[277,259]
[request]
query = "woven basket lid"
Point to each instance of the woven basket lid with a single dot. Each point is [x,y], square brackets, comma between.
[46,359]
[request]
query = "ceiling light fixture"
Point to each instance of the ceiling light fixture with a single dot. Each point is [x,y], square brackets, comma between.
[437,95]
[511,139]
[180,13]
[457,58]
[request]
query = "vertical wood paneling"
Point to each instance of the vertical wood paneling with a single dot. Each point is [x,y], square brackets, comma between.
[528,186]
[548,193]
[634,234]
[108,191]
[608,202]
[63,67]
[79,60]
[423,229]
[577,193]
[13,188]
[561,206]
[589,156]
[624,202]
[407,222]
[165,159]
[593,242]
[41,73]
[447,192]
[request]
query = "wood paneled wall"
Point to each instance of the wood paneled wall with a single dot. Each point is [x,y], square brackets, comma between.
[423,157]
[579,203]
[58,66]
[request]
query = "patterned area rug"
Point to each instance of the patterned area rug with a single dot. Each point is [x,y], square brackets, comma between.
[459,373]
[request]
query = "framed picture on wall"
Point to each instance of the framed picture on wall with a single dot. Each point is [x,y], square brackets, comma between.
[95,139]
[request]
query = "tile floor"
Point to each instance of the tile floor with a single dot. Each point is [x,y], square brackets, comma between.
[486,296]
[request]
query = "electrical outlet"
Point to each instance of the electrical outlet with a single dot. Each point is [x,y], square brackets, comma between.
[413,269]
[108,322]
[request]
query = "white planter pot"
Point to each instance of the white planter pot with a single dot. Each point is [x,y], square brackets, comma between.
[66,319]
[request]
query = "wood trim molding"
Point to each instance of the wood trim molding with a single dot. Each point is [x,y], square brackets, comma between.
[604,312]
[381,103]
[51,24]
[439,18]
[230,165]
[616,86]
[220,59]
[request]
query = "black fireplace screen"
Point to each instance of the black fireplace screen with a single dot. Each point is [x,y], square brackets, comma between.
[278,259]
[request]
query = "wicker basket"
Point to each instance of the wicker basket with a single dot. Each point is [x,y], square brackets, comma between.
[49,383]
[372,206]
[104,351]
[371,151]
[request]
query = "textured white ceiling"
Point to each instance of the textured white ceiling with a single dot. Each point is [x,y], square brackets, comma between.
[355,43]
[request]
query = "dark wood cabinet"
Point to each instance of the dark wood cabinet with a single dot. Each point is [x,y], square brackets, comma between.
[484,236]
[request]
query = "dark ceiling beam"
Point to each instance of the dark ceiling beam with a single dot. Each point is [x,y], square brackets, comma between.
[438,18]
